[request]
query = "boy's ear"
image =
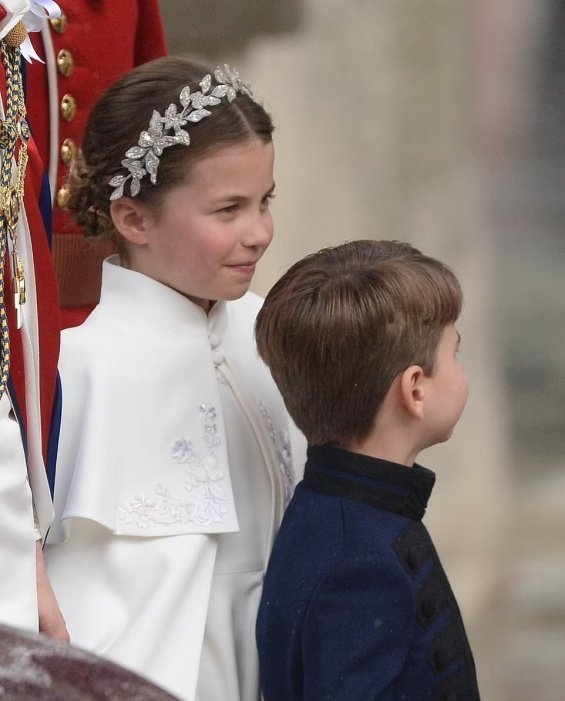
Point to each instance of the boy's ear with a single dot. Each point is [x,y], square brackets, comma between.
[130,220]
[412,391]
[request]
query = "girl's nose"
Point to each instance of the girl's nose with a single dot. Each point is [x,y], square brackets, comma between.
[260,230]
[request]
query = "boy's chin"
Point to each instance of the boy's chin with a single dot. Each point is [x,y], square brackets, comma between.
[440,437]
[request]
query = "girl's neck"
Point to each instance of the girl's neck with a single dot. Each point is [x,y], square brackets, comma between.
[206,304]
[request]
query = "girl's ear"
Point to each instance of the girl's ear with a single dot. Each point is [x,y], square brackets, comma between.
[130,219]
[412,391]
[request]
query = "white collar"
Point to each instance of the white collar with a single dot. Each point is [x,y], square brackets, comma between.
[136,293]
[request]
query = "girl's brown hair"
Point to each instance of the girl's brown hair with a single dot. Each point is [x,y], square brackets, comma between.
[124,111]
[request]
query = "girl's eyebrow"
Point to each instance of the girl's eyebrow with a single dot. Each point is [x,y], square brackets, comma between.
[242,198]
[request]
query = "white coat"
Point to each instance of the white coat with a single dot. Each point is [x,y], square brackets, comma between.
[23,479]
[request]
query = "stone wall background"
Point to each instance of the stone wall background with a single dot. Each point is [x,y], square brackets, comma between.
[439,122]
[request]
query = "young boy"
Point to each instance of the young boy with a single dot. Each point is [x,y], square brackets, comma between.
[361,341]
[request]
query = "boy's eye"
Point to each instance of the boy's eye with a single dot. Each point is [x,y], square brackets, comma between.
[266,201]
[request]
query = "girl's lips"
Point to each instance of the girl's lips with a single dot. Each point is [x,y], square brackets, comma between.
[248,267]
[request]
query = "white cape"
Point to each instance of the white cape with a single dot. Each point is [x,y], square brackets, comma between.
[143,454]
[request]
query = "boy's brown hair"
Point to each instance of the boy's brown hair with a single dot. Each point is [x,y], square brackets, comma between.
[343,323]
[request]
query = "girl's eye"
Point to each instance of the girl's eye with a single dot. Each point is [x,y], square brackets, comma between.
[230,209]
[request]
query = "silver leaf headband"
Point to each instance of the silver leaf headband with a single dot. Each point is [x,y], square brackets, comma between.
[144,158]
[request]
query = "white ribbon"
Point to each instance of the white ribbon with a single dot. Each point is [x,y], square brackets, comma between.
[33,13]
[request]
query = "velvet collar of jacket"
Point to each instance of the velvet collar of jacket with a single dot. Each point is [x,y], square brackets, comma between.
[385,485]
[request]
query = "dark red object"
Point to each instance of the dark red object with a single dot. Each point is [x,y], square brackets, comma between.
[40,668]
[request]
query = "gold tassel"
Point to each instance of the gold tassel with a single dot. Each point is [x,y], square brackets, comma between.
[16,35]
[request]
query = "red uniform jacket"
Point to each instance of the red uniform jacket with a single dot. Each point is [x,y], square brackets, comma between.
[93,44]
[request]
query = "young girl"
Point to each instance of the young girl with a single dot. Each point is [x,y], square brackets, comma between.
[175,462]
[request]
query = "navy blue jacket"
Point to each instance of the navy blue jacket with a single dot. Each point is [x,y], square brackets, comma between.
[356,605]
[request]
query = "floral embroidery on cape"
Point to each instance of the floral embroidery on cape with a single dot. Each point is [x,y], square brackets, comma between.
[281,442]
[206,504]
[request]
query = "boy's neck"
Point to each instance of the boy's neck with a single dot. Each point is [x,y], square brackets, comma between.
[395,437]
